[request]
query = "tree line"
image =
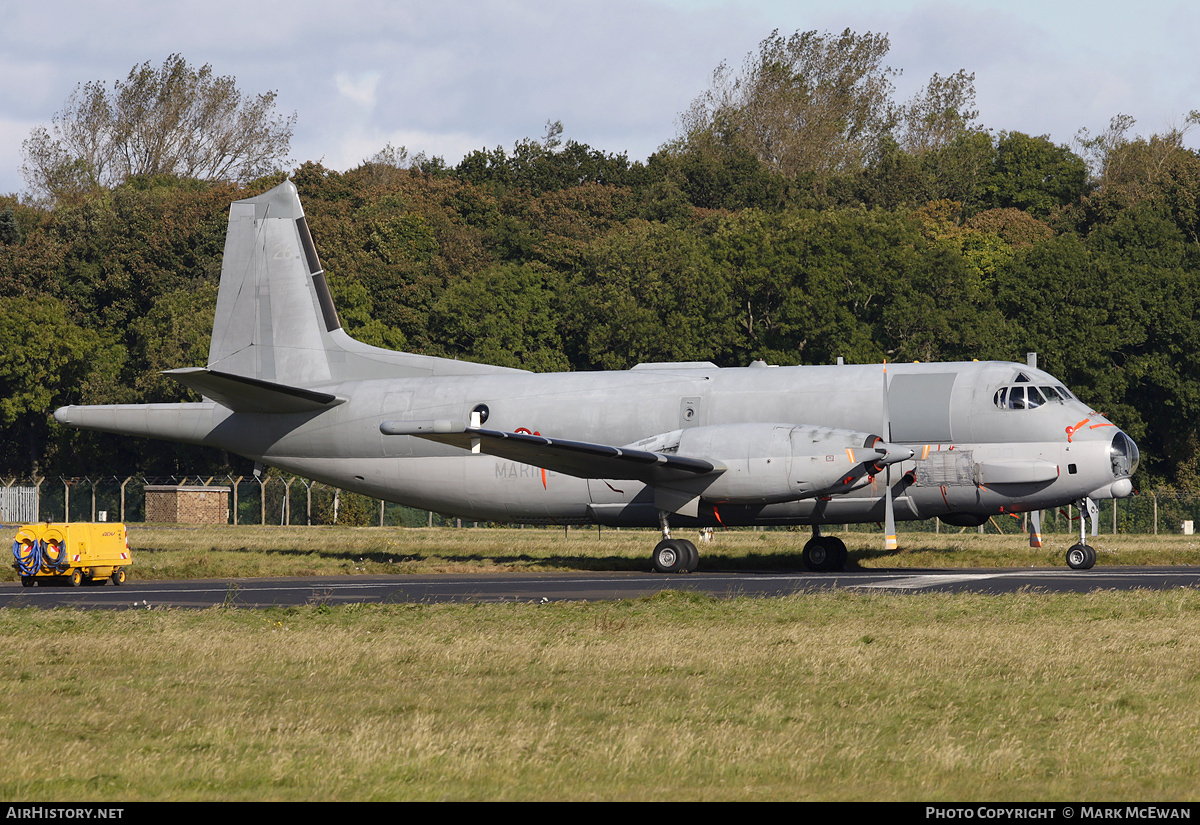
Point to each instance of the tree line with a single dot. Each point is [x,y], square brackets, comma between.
[915,234]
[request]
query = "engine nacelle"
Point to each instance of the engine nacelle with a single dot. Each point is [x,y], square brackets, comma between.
[779,462]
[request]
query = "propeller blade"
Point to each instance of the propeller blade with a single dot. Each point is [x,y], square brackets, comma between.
[1035,528]
[889,517]
[889,511]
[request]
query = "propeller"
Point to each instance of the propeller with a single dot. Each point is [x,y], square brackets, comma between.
[889,512]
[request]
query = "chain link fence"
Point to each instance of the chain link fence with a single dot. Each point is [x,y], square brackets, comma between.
[292,500]
[264,499]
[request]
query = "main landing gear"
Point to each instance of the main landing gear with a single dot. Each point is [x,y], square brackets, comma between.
[674,555]
[824,553]
[821,553]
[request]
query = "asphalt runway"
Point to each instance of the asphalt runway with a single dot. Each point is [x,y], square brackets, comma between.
[590,586]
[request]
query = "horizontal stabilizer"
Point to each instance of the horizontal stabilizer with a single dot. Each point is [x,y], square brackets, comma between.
[252,395]
[577,458]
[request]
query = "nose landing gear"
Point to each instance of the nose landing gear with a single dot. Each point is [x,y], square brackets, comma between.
[1081,556]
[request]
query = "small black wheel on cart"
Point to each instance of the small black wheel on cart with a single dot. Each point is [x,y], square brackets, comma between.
[119,576]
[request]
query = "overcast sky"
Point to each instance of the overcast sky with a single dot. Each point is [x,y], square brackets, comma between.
[449,77]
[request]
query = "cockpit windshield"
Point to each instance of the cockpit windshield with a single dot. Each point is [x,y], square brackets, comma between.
[1029,397]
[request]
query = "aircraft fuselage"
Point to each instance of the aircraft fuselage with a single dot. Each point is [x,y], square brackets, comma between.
[972,457]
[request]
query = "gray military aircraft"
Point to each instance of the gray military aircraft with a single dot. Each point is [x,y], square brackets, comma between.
[684,443]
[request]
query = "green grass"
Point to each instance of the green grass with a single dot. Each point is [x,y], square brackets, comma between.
[179,552]
[677,697]
[831,696]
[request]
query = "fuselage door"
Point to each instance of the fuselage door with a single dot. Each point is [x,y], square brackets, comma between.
[919,407]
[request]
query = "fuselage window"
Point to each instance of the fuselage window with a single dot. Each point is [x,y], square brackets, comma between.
[1025,397]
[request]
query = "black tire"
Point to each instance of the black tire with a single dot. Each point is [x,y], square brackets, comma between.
[822,555]
[1081,557]
[670,556]
[27,581]
[75,577]
[119,576]
[693,556]
[842,555]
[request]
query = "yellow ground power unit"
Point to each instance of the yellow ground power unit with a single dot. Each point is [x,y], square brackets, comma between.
[71,553]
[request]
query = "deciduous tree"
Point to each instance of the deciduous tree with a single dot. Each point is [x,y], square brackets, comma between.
[170,120]
[809,103]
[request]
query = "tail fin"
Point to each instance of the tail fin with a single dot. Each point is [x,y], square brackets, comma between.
[274,311]
[277,344]
[275,319]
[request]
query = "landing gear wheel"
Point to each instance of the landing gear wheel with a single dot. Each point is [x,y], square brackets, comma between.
[693,555]
[824,554]
[671,556]
[1081,557]
[119,576]
[838,549]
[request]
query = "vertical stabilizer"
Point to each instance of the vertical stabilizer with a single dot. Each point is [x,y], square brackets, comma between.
[275,319]
[274,313]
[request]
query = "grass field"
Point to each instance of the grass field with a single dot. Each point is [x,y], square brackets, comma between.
[927,697]
[225,551]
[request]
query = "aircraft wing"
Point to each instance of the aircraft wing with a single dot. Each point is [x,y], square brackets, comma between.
[577,458]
